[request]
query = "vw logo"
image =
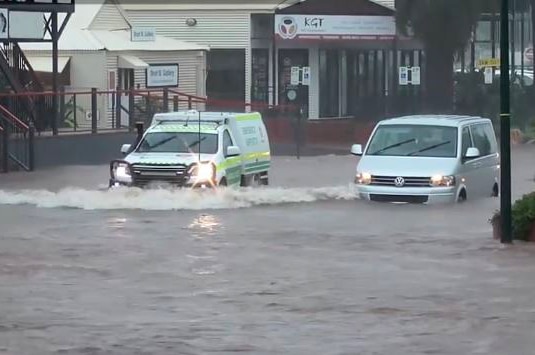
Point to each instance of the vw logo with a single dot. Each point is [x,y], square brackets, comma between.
[399,181]
[287,28]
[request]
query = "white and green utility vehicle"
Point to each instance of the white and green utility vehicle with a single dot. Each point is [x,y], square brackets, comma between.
[196,149]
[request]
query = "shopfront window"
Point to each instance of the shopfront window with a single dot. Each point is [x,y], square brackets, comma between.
[351,82]
[260,75]
[226,76]
[329,78]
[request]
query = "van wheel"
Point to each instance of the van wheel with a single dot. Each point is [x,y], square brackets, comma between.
[495,190]
[462,196]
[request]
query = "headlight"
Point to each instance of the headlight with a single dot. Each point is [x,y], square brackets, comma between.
[442,180]
[363,179]
[203,172]
[120,171]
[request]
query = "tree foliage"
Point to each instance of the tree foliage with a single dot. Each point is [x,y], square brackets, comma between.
[446,23]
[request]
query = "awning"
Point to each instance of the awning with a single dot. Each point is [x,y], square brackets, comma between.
[131,62]
[44,64]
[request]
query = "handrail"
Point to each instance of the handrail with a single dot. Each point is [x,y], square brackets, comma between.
[149,93]
[14,118]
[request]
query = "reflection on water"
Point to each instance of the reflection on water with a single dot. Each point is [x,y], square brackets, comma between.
[205,222]
[117,225]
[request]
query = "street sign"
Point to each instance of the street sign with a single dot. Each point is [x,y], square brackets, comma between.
[4,23]
[488,75]
[488,62]
[528,54]
[403,76]
[295,74]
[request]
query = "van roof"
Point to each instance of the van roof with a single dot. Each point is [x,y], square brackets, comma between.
[194,115]
[439,120]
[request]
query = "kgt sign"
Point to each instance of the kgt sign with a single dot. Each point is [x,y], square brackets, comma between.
[290,27]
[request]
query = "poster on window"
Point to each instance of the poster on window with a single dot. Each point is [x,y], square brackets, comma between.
[162,76]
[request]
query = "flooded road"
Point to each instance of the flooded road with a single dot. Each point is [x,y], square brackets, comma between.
[298,268]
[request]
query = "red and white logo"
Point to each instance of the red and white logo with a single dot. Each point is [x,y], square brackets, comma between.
[287,28]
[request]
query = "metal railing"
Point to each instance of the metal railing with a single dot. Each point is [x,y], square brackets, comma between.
[17,142]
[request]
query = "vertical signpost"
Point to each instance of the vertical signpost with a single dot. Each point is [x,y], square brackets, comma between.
[505,129]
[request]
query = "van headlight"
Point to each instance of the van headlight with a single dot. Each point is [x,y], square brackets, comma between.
[120,171]
[363,178]
[203,172]
[442,180]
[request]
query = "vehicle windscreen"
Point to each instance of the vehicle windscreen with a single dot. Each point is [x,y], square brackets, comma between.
[178,142]
[414,140]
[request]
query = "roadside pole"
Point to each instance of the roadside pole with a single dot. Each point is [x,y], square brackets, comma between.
[505,129]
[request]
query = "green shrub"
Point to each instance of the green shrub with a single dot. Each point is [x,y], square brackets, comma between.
[523,217]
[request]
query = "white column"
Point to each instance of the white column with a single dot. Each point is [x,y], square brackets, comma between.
[313,90]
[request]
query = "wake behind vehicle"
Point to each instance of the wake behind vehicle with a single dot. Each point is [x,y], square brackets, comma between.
[196,149]
[428,159]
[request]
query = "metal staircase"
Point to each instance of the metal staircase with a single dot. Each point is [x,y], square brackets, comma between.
[29,104]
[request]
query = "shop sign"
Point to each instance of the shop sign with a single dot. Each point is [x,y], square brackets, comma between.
[162,75]
[143,34]
[331,27]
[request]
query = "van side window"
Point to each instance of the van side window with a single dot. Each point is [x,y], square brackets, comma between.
[481,140]
[466,140]
[491,137]
[227,142]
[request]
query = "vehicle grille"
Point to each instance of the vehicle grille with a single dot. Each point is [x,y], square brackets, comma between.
[170,174]
[408,181]
[399,198]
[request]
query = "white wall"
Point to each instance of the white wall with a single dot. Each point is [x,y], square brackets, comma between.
[219,29]
[191,76]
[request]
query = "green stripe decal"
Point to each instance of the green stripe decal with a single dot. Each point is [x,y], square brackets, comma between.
[249,117]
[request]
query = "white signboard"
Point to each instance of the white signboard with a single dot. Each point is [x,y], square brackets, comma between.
[143,34]
[403,76]
[415,77]
[295,74]
[306,76]
[27,25]
[329,27]
[162,75]
[4,23]
[488,75]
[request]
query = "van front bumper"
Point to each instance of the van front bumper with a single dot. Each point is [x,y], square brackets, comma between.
[425,195]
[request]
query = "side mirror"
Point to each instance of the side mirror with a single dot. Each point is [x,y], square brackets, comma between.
[233,151]
[356,149]
[472,153]
[125,148]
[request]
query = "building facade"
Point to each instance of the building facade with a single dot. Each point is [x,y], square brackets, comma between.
[98,49]
[346,55]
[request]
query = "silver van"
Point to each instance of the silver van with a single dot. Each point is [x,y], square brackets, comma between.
[428,159]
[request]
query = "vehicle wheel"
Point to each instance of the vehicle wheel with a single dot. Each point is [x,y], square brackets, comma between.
[243,181]
[495,190]
[462,196]
[264,179]
[223,182]
[256,180]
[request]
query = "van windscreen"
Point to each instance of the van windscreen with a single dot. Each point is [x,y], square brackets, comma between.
[178,142]
[414,140]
